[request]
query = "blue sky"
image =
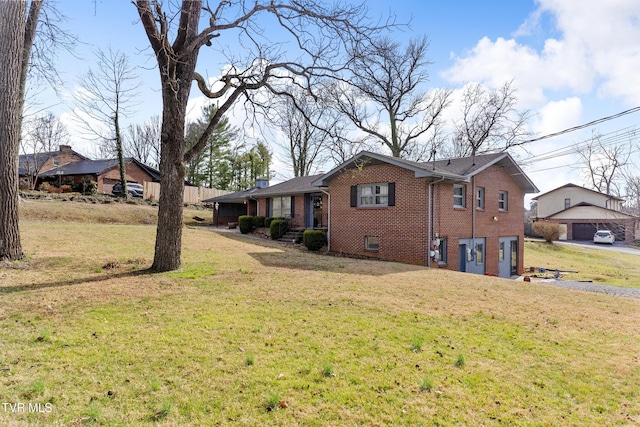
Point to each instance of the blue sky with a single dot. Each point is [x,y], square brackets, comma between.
[572,61]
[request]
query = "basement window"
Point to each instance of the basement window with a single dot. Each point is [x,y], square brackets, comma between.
[372,243]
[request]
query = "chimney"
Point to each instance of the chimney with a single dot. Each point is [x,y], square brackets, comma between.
[262,183]
[65,148]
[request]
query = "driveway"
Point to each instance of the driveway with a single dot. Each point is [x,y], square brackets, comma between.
[616,247]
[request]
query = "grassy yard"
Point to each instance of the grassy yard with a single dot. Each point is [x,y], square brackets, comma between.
[605,267]
[250,332]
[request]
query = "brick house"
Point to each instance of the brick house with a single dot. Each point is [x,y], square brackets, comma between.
[30,166]
[461,214]
[296,199]
[105,172]
[582,212]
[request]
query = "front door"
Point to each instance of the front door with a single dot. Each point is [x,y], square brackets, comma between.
[471,255]
[507,256]
[308,211]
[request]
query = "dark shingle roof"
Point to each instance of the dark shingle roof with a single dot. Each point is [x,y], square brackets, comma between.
[571,185]
[237,197]
[34,161]
[298,185]
[96,167]
[460,169]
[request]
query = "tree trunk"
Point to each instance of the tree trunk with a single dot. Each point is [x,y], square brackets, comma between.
[168,247]
[12,34]
[123,172]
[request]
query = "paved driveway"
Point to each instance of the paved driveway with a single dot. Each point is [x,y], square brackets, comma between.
[616,247]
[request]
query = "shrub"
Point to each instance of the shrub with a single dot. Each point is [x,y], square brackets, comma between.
[549,231]
[245,223]
[66,188]
[45,186]
[314,239]
[277,228]
[259,221]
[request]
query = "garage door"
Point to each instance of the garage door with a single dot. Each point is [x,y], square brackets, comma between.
[582,231]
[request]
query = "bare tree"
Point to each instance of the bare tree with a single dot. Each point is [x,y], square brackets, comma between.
[386,100]
[604,163]
[490,121]
[17,30]
[176,36]
[143,142]
[105,98]
[26,47]
[632,187]
[307,125]
[43,134]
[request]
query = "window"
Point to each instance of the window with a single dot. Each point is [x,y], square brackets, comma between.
[372,243]
[442,252]
[501,251]
[480,198]
[373,195]
[459,195]
[281,207]
[479,253]
[502,200]
[567,203]
[56,161]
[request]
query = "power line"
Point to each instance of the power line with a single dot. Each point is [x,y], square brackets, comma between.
[575,128]
[607,139]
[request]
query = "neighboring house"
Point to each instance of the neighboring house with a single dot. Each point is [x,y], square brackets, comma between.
[104,172]
[582,212]
[461,214]
[30,166]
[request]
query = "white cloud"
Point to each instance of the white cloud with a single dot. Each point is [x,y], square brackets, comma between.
[557,115]
[595,48]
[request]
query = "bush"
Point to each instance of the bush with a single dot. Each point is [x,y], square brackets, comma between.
[314,240]
[549,231]
[45,186]
[259,221]
[245,223]
[277,228]
[267,221]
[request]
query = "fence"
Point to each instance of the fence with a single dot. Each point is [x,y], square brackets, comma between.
[191,194]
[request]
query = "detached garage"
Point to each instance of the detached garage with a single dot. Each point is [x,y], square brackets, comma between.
[584,219]
[585,231]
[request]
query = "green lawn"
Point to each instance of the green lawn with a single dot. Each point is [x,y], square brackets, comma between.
[255,333]
[599,266]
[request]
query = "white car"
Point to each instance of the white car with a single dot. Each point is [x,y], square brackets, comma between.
[604,236]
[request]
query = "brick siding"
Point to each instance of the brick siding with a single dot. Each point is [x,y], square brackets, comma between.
[403,228]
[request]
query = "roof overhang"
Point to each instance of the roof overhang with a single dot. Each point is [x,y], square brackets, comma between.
[365,158]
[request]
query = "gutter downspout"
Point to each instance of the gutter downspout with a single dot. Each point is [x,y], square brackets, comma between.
[328,219]
[430,218]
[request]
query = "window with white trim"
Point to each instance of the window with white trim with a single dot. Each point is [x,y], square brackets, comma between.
[373,195]
[480,198]
[503,204]
[372,243]
[459,195]
[567,203]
